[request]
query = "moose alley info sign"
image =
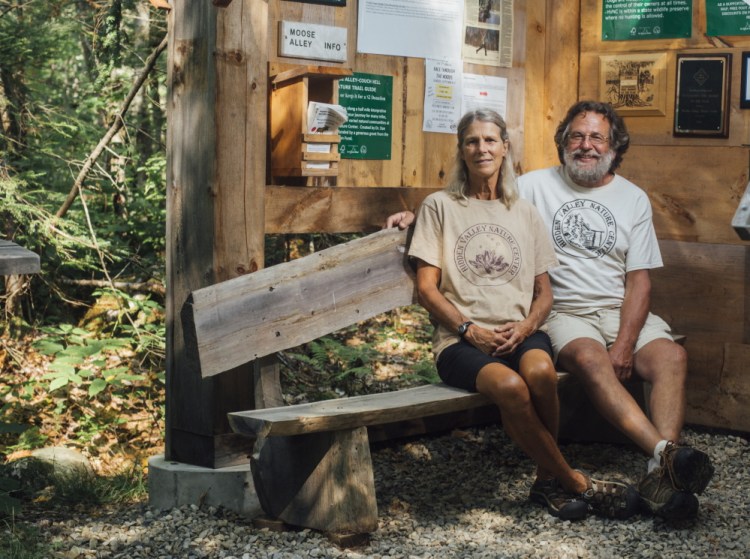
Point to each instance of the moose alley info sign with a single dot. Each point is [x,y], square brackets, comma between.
[367,133]
[626,20]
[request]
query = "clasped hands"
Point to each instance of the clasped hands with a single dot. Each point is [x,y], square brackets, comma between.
[501,340]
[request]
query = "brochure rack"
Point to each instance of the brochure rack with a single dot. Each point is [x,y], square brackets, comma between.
[295,151]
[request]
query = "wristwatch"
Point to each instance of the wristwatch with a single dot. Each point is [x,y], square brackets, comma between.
[464,328]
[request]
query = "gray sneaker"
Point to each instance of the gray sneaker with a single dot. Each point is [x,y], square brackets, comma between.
[659,496]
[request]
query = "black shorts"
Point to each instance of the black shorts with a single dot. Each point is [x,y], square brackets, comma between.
[459,364]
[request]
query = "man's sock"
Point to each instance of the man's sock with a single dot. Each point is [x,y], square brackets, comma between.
[655,461]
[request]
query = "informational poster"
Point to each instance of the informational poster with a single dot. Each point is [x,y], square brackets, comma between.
[442,96]
[625,20]
[450,93]
[488,32]
[417,28]
[484,92]
[727,17]
[368,100]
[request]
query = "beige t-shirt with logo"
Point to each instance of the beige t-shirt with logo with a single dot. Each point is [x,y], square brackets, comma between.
[488,257]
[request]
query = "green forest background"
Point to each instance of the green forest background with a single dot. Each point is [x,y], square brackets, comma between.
[82,160]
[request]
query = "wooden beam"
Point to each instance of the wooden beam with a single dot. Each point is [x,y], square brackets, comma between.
[336,209]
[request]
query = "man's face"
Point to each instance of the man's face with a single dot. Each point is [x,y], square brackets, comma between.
[587,154]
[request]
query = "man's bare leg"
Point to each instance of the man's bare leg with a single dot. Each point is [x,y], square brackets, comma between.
[589,361]
[663,364]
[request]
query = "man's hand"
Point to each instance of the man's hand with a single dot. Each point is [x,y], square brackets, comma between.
[402,220]
[621,358]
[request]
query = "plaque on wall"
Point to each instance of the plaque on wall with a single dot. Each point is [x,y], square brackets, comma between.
[702,95]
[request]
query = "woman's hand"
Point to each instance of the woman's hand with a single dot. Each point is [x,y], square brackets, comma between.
[511,335]
[402,220]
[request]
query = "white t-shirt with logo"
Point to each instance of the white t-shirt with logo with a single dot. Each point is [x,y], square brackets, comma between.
[488,257]
[599,234]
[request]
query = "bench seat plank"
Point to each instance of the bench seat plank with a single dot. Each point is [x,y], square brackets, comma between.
[356,411]
[16,260]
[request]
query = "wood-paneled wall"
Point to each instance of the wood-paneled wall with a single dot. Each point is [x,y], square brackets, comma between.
[694,185]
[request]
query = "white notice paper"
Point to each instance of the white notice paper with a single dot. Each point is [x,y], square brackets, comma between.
[484,92]
[417,28]
[442,96]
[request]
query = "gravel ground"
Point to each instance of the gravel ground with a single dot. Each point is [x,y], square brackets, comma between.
[461,495]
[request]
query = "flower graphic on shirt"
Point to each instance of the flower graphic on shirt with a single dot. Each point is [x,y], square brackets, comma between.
[487,254]
[488,262]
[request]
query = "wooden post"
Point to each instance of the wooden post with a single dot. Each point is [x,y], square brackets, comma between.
[215,202]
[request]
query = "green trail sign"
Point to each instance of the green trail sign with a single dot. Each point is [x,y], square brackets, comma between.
[368,102]
[627,20]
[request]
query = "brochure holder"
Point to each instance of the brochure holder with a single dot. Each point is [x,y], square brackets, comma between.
[295,150]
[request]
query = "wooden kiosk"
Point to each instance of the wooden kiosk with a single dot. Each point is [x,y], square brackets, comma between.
[224,197]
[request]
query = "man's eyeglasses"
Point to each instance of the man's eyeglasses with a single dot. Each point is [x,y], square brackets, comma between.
[576,139]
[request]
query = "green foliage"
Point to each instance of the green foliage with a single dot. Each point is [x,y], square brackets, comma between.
[347,368]
[8,503]
[19,541]
[388,352]
[289,246]
[65,68]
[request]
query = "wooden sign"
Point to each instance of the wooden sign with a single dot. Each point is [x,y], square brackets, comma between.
[307,40]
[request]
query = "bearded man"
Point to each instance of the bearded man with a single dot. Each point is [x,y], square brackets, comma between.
[601,328]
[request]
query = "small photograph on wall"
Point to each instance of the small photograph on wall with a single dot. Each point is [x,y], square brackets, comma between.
[488,32]
[634,84]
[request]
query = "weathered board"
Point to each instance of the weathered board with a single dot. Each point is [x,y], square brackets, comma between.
[16,260]
[356,411]
[694,192]
[702,292]
[251,316]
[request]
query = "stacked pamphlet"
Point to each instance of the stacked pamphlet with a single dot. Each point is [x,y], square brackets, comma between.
[325,118]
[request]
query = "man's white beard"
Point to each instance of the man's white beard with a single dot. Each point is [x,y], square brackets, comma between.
[588,175]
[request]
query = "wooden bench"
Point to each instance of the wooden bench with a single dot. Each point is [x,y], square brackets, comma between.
[311,462]
[16,260]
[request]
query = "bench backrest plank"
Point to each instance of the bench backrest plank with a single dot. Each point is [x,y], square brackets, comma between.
[245,318]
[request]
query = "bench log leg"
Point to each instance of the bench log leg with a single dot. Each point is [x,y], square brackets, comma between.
[322,481]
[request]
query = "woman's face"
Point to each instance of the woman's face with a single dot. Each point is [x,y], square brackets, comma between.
[483,151]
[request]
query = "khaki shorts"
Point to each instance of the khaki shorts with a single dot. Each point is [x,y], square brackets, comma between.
[602,326]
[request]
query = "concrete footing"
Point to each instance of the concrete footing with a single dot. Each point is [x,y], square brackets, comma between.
[173,484]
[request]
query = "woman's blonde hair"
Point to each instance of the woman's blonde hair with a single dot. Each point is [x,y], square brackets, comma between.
[458,183]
